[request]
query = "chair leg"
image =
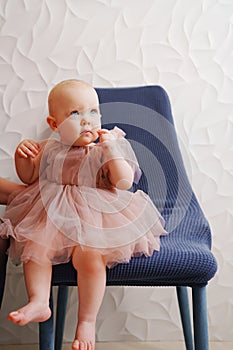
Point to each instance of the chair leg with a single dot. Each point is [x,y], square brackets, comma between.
[200,318]
[182,295]
[46,329]
[61,315]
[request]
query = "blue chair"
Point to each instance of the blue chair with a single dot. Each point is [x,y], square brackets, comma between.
[185,259]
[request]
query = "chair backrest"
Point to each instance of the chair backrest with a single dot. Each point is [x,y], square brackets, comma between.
[144,113]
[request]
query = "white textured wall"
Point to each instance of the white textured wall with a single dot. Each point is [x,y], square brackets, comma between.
[184,45]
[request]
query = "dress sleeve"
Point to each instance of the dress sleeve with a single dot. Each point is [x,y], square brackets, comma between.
[93,172]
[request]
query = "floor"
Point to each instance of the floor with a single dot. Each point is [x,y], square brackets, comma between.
[128,346]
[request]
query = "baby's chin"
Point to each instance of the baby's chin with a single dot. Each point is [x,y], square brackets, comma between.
[86,138]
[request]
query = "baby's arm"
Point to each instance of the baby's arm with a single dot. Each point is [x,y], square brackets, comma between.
[27,161]
[119,172]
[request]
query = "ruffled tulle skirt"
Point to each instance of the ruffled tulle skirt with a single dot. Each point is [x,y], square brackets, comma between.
[47,220]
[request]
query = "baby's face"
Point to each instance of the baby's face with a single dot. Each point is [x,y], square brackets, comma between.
[76,112]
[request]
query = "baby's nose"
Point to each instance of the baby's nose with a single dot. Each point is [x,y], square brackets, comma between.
[85,121]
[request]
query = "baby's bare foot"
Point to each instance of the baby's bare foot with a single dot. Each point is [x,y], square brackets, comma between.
[85,336]
[32,312]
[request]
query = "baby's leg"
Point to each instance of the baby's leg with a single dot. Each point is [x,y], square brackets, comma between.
[91,286]
[37,280]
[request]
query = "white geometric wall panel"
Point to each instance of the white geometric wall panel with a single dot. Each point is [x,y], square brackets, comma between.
[185,46]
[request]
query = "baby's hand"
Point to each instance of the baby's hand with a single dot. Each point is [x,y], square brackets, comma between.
[105,135]
[108,142]
[28,148]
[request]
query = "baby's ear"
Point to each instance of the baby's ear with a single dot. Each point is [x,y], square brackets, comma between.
[52,123]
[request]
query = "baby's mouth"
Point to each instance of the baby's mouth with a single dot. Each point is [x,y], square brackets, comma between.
[86,132]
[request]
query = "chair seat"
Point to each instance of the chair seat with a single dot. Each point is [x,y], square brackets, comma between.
[181,261]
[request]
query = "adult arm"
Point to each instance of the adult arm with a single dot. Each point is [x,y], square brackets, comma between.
[6,188]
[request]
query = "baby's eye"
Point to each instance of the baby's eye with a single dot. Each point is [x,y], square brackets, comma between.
[74,113]
[94,111]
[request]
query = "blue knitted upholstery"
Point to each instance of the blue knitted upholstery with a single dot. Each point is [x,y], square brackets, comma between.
[185,258]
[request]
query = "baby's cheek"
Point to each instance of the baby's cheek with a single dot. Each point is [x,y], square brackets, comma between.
[96,126]
[96,122]
[69,131]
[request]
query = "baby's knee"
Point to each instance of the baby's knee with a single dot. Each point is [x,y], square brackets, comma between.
[94,266]
[89,262]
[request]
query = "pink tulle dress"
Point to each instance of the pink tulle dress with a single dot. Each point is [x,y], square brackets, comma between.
[73,203]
